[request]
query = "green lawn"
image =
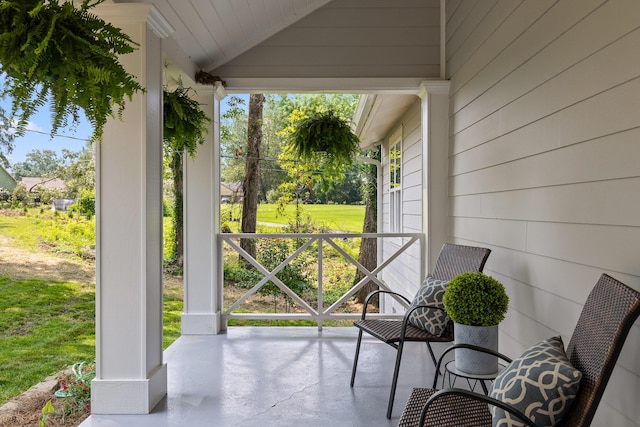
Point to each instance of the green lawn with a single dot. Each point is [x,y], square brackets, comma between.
[347,218]
[45,327]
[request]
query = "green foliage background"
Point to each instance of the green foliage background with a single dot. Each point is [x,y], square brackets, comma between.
[58,54]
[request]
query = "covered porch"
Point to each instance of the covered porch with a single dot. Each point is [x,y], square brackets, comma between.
[279,376]
[522,140]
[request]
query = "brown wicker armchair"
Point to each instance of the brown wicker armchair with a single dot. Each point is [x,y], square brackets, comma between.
[607,316]
[452,260]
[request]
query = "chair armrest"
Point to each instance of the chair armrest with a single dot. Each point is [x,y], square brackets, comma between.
[470,347]
[376,292]
[474,396]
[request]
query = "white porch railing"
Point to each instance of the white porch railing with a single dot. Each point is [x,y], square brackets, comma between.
[319,313]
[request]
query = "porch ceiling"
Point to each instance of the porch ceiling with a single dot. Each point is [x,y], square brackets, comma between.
[361,46]
[376,115]
[213,32]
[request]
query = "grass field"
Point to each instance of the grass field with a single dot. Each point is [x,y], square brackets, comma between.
[46,327]
[347,218]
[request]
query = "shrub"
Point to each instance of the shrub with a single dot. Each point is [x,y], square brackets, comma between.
[86,203]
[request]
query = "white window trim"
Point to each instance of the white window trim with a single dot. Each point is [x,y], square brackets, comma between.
[395,192]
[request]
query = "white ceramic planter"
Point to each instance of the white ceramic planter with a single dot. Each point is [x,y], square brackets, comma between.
[472,361]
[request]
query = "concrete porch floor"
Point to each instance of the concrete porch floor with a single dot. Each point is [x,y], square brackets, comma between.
[280,376]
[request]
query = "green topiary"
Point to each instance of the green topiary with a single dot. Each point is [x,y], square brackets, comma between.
[475,299]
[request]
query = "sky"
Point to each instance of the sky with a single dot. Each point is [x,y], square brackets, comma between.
[38,132]
[37,136]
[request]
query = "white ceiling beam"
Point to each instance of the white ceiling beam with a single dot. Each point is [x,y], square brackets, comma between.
[377,85]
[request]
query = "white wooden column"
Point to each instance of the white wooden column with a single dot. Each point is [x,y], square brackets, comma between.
[202,286]
[435,167]
[131,376]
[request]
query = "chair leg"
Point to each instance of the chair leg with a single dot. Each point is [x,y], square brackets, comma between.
[433,356]
[355,358]
[394,382]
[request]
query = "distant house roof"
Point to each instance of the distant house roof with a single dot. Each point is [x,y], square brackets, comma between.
[230,189]
[49,183]
[6,180]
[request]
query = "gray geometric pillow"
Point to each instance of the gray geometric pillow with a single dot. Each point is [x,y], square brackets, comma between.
[430,293]
[541,383]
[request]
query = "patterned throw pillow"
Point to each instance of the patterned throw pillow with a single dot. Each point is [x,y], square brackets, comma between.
[541,383]
[430,293]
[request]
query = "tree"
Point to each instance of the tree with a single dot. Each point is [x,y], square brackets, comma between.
[38,163]
[315,168]
[251,183]
[7,137]
[79,170]
[368,255]
[233,140]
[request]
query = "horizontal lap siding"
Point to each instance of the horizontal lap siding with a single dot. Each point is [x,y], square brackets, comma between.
[350,38]
[544,162]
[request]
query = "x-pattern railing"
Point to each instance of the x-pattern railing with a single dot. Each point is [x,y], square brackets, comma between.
[320,313]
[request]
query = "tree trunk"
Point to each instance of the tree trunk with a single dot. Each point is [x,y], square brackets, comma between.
[178,224]
[251,182]
[368,255]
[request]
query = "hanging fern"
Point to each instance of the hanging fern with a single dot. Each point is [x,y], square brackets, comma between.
[56,53]
[325,132]
[185,124]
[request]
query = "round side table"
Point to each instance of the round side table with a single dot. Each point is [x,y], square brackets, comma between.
[452,373]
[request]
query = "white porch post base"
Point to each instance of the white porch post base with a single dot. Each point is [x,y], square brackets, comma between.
[129,396]
[201,324]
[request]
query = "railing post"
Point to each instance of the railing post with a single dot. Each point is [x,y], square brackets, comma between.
[320,291]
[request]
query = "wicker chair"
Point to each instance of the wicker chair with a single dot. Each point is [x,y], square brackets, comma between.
[452,260]
[595,345]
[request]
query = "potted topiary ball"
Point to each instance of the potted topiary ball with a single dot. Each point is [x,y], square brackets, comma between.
[476,303]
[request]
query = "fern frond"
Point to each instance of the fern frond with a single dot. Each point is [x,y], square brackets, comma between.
[59,54]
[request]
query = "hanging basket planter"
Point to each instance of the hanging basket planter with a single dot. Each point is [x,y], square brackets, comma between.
[63,55]
[185,124]
[326,133]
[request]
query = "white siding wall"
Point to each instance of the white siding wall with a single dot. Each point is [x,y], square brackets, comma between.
[545,161]
[350,38]
[403,275]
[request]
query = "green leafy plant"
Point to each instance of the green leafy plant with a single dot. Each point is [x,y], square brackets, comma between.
[325,132]
[86,203]
[54,52]
[185,124]
[47,410]
[475,299]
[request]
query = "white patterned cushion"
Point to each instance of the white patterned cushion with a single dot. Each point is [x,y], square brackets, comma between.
[430,293]
[541,383]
